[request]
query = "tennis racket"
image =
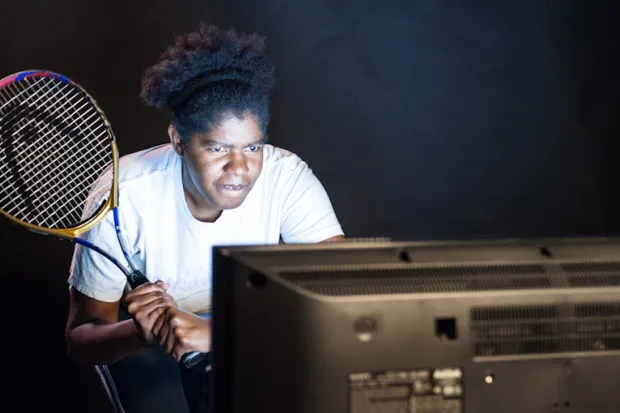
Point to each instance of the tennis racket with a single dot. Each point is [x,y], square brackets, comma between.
[57,152]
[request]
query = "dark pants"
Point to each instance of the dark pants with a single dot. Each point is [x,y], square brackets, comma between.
[195,383]
[152,368]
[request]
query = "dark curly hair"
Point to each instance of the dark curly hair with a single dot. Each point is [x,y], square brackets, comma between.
[208,75]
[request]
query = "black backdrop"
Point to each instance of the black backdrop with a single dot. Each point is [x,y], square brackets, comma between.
[424,119]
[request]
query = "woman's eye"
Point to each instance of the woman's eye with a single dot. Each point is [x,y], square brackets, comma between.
[216,149]
[253,148]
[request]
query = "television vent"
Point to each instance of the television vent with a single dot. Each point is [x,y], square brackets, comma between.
[594,274]
[420,280]
[545,329]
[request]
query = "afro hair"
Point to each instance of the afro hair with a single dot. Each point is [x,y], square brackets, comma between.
[208,75]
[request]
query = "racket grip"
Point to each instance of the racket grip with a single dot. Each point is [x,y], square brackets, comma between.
[136,279]
[189,360]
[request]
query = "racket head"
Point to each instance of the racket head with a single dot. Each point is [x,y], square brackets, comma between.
[58,155]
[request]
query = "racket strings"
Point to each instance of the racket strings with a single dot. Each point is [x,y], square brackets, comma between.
[55,209]
[55,148]
[49,156]
[54,216]
[67,183]
[32,164]
[100,152]
[56,112]
[17,115]
[30,160]
[8,122]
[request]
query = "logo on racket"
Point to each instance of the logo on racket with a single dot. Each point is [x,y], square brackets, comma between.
[23,121]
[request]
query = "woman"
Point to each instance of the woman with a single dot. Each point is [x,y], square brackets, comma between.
[216,183]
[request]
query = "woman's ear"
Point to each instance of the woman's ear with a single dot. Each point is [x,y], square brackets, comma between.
[175,140]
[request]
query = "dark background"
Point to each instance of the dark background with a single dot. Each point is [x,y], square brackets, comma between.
[424,119]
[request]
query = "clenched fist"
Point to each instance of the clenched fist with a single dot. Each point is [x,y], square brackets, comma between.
[181,332]
[146,304]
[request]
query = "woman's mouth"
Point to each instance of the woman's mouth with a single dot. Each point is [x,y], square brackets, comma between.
[227,187]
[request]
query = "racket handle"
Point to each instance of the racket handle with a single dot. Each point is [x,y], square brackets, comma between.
[189,360]
[136,279]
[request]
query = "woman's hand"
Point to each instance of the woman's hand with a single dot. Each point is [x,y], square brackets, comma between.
[180,332]
[146,304]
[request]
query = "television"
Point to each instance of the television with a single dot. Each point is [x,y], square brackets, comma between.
[489,326]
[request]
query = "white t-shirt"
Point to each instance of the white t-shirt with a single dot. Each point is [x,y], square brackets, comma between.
[167,243]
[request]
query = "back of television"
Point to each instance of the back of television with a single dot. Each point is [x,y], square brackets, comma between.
[450,327]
